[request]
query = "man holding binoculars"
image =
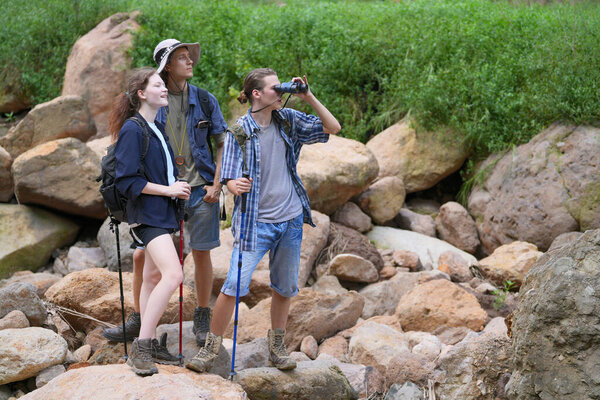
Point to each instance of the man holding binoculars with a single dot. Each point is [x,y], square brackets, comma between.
[259,161]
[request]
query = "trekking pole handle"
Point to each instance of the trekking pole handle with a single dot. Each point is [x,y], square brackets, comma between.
[244,195]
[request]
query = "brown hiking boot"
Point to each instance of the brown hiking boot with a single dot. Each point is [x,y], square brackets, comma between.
[132,329]
[204,360]
[140,357]
[201,324]
[277,353]
[160,353]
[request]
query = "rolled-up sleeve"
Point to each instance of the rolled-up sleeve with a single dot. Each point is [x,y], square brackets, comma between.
[231,167]
[307,127]
[218,124]
[128,155]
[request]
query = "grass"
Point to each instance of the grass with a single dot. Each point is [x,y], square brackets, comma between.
[495,72]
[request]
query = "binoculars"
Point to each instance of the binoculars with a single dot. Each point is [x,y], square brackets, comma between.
[291,87]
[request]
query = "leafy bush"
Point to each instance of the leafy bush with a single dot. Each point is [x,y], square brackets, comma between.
[497,72]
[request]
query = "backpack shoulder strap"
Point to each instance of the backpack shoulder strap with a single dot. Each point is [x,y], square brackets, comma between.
[205,105]
[145,136]
[287,126]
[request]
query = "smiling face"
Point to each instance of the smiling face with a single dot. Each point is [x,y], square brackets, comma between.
[267,96]
[180,66]
[155,93]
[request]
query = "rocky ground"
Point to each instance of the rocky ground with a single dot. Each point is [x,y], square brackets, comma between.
[404,295]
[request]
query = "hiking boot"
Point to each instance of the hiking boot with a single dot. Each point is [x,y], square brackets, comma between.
[132,329]
[201,324]
[277,353]
[140,357]
[160,353]
[204,360]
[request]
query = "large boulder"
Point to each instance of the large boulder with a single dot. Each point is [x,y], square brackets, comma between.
[510,262]
[429,249]
[554,327]
[478,367]
[60,174]
[311,313]
[95,292]
[335,171]
[540,189]
[309,381]
[99,65]
[66,116]
[439,303]
[6,181]
[421,159]
[23,297]
[29,235]
[456,226]
[27,351]
[383,200]
[116,382]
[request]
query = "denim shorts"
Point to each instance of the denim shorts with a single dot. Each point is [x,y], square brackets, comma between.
[283,241]
[202,225]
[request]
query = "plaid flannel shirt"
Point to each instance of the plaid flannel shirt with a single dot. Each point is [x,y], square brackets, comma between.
[305,129]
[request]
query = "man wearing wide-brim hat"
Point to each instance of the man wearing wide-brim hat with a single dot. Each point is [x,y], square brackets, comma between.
[191,119]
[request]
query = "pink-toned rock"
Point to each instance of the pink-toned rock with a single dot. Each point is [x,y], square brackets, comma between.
[406,259]
[66,116]
[6,181]
[99,145]
[310,347]
[99,65]
[510,262]
[420,160]
[383,200]
[116,382]
[457,227]
[335,346]
[12,91]
[335,171]
[456,266]
[409,367]
[95,292]
[345,240]
[437,303]
[387,272]
[451,335]
[60,174]
[350,215]
[353,268]
[311,313]
[388,320]
[41,280]
[15,319]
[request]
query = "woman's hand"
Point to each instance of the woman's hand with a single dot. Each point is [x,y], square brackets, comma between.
[180,189]
[239,186]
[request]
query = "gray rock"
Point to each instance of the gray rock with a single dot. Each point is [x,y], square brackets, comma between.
[6,181]
[254,354]
[41,280]
[23,297]
[345,240]
[350,215]
[555,325]
[15,319]
[48,374]
[456,226]
[329,284]
[80,258]
[412,221]
[408,391]
[564,239]
[383,200]
[309,381]
[108,243]
[353,268]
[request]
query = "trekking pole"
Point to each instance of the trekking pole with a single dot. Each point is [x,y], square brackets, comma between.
[181,212]
[114,226]
[239,277]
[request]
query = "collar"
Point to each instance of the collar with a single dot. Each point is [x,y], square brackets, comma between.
[253,125]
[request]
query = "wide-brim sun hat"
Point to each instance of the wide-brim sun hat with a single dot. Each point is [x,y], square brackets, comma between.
[168,46]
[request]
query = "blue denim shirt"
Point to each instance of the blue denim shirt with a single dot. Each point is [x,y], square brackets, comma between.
[305,129]
[199,136]
[158,211]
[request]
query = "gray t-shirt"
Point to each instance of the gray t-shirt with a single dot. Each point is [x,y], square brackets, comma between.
[278,200]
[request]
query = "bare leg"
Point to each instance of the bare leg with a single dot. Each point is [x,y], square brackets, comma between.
[138,271]
[164,258]
[280,309]
[222,313]
[203,276]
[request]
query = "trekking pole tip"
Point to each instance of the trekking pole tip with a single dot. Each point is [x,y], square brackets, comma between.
[232,374]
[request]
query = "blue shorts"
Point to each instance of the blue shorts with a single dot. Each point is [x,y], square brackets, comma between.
[202,225]
[283,241]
